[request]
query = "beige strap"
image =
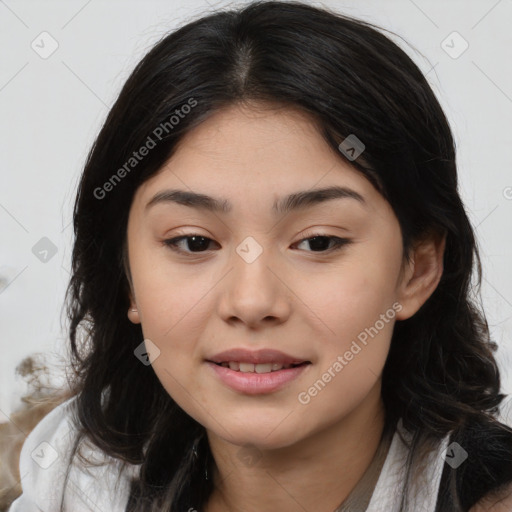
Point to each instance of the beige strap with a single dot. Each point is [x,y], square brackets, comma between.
[359,497]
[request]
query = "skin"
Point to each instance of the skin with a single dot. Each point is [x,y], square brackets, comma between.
[310,304]
[500,501]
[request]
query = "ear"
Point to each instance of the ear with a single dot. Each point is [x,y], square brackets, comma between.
[421,274]
[133,314]
[133,311]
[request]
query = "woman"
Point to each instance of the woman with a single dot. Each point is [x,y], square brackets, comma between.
[272,265]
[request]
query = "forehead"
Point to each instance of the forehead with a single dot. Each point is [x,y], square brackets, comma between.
[260,149]
[248,134]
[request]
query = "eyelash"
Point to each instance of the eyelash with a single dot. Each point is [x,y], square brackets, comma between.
[338,242]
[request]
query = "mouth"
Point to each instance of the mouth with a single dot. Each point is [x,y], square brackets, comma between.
[244,367]
[257,378]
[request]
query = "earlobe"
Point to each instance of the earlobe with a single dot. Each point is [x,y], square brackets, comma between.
[133,311]
[422,275]
[133,315]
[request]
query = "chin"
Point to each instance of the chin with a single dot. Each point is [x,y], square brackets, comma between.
[260,437]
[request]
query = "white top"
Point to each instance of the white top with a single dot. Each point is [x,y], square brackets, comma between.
[389,491]
[46,450]
[44,460]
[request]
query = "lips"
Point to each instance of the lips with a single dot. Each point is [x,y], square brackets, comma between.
[262,356]
[257,368]
[255,383]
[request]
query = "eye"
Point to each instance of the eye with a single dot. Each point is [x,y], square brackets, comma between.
[320,242]
[194,242]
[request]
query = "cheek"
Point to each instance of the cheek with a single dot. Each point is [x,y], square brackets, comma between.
[171,298]
[355,319]
[352,298]
[173,309]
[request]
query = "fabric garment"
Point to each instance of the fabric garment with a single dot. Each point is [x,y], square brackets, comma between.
[360,496]
[45,459]
[383,485]
[421,496]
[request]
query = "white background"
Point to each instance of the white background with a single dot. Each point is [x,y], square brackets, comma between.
[51,110]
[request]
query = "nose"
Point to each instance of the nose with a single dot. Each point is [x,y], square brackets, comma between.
[254,292]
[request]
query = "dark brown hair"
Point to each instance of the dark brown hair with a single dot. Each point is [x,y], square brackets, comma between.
[440,375]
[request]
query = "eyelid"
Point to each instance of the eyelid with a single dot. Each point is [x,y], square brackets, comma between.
[339,242]
[171,243]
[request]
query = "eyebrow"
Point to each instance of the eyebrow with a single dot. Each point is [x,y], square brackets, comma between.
[294,201]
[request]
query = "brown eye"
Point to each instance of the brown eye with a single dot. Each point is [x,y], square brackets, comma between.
[192,243]
[325,243]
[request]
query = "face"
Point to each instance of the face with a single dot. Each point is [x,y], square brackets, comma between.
[319,281]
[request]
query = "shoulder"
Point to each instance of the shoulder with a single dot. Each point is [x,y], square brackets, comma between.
[499,502]
[483,477]
[51,474]
[42,458]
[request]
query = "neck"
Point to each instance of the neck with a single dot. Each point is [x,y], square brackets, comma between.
[317,473]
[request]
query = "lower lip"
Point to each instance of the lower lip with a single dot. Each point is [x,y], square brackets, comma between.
[257,383]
